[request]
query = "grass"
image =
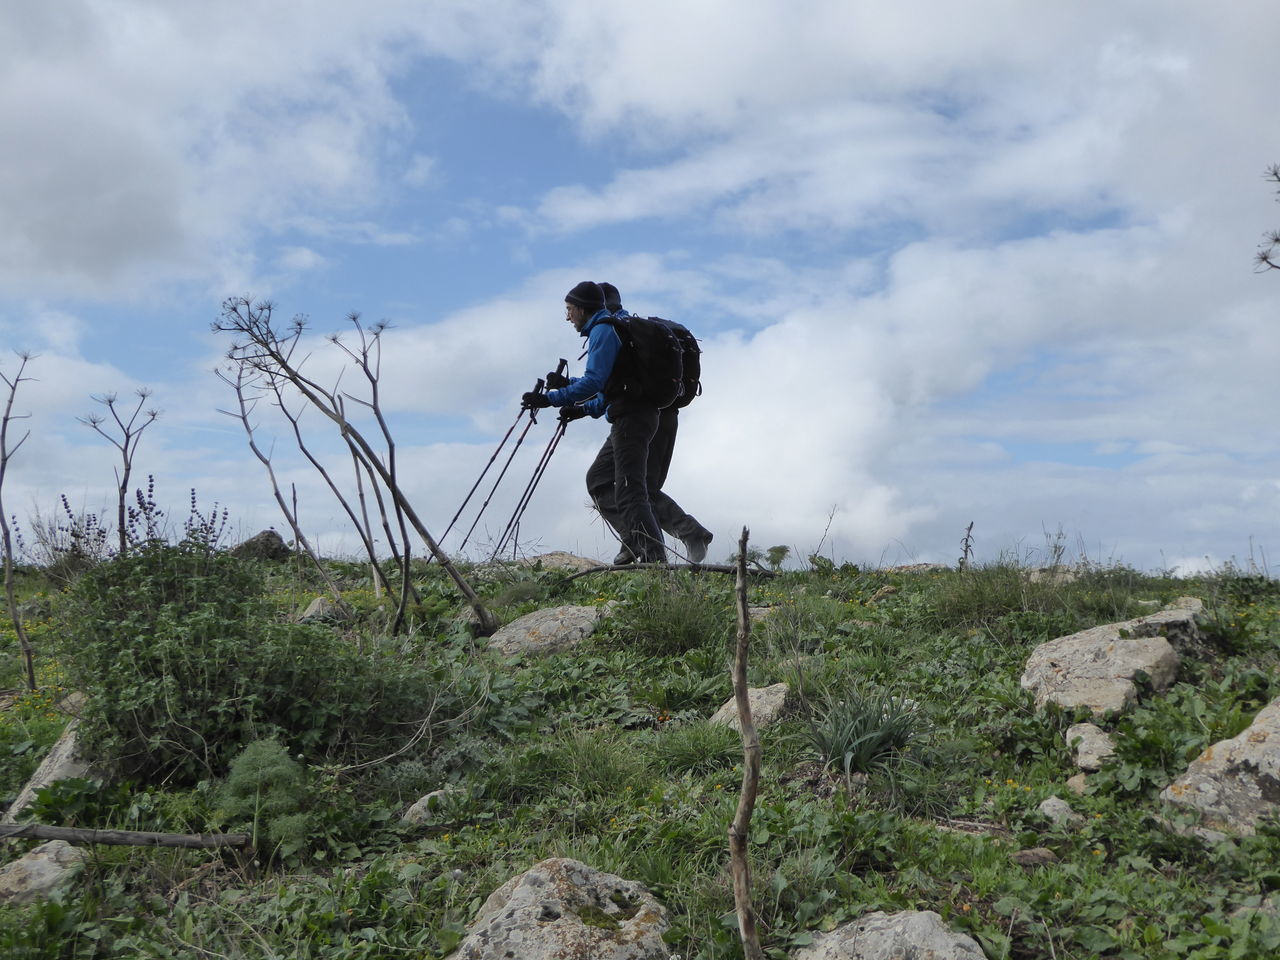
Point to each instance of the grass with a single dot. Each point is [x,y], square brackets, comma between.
[603,753]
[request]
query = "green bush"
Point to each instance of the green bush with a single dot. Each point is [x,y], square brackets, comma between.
[672,614]
[183,664]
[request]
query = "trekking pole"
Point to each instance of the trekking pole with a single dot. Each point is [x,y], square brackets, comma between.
[476,485]
[533,418]
[527,496]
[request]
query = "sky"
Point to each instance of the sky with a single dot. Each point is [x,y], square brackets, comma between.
[988,263]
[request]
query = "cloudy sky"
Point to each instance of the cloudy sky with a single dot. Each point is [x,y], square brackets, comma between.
[990,266]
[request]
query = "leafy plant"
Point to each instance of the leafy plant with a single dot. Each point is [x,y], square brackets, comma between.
[863,732]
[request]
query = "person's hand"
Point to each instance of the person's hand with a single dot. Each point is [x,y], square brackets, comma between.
[556,380]
[572,413]
[533,400]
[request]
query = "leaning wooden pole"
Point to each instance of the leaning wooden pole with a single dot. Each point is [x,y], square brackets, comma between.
[740,829]
[132,838]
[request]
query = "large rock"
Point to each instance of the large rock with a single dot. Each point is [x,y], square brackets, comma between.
[1093,745]
[1236,782]
[267,545]
[560,560]
[768,705]
[40,872]
[1096,668]
[909,935]
[548,631]
[562,909]
[63,762]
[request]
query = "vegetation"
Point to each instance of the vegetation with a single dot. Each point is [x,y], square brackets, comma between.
[913,766]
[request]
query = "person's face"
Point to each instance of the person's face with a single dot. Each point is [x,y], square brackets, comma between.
[576,315]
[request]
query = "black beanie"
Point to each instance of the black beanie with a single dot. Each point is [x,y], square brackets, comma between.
[586,294]
[612,298]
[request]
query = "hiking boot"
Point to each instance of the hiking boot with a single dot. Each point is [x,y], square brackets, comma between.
[696,545]
[623,558]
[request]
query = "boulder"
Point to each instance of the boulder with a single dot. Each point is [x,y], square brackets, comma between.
[267,545]
[548,631]
[561,909]
[63,762]
[40,872]
[892,936]
[1096,668]
[1094,746]
[1236,782]
[768,704]
[560,560]
[423,808]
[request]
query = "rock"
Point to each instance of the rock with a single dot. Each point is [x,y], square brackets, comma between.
[1077,783]
[768,705]
[1236,782]
[756,614]
[560,560]
[1034,857]
[1177,623]
[1094,748]
[1060,813]
[1052,575]
[548,631]
[888,590]
[320,610]
[424,807]
[40,872]
[1096,668]
[562,909]
[919,568]
[267,545]
[63,762]
[892,936]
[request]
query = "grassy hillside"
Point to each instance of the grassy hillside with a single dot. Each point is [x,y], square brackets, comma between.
[910,770]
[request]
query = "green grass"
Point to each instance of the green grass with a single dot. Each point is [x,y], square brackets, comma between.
[603,753]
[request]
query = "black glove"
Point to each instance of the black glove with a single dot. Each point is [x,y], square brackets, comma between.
[534,400]
[556,380]
[572,413]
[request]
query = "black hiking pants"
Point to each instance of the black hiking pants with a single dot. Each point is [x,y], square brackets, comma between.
[618,483]
[669,514]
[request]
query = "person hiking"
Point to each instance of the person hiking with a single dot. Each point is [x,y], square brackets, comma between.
[671,517]
[633,421]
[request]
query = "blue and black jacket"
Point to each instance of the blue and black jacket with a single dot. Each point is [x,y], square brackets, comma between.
[603,347]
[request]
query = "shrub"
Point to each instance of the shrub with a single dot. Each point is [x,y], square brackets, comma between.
[182,665]
[861,733]
[671,614]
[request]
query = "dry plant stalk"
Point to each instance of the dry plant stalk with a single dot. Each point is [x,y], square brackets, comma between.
[6,453]
[740,829]
[264,358]
[130,433]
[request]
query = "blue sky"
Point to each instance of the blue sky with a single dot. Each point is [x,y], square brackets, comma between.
[992,268]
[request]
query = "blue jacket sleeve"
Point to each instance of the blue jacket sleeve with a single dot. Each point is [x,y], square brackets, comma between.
[603,345]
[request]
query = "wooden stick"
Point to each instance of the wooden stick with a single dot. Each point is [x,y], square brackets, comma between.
[740,829]
[136,838]
[694,567]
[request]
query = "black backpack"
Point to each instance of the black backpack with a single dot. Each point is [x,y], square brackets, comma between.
[651,365]
[690,364]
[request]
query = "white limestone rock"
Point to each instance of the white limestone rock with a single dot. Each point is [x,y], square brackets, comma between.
[561,560]
[63,762]
[768,705]
[1094,746]
[562,909]
[40,872]
[1059,812]
[1236,782]
[892,936]
[548,631]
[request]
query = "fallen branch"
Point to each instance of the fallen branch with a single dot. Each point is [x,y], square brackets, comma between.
[130,838]
[740,829]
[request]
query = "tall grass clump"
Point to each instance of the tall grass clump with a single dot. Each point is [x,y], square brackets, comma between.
[671,614]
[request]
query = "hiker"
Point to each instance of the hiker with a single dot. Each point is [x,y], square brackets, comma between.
[670,516]
[624,458]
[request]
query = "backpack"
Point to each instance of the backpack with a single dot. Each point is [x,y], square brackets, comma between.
[651,364]
[690,364]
